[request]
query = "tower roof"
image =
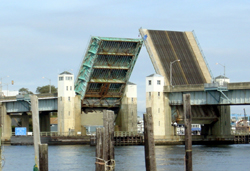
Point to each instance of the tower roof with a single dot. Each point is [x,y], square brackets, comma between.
[221,77]
[155,75]
[65,73]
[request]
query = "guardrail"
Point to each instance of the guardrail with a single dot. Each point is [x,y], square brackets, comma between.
[116,134]
[54,134]
[125,133]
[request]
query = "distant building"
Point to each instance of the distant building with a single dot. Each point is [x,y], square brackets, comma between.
[53,124]
[6,93]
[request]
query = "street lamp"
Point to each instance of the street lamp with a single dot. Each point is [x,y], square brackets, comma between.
[224,70]
[171,63]
[1,85]
[49,84]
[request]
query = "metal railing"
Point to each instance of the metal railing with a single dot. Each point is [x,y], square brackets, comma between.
[125,133]
[203,55]
[73,133]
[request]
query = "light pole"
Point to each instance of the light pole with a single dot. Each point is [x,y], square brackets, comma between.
[1,85]
[171,63]
[224,70]
[49,84]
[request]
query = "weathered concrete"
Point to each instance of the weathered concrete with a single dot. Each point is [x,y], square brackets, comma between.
[77,110]
[94,118]
[220,128]
[44,119]
[156,102]
[6,122]
[127,117]
[25,121]
[66,115]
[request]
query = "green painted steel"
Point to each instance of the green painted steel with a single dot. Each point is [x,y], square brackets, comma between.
[106,69]
[86,67]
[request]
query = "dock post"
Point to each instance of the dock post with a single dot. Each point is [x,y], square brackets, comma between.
[0,138]
[188,133]
[36,128]
[99,149]
[149,144]
[105,143]
[43,157]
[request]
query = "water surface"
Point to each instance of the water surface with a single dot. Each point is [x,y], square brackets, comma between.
[131,158]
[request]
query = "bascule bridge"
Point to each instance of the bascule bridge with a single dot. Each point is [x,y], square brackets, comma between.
[179,62]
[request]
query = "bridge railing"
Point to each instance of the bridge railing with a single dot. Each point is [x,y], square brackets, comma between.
[73,133]
[215,85]
[125,133]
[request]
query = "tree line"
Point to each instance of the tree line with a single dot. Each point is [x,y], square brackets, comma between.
[39,90]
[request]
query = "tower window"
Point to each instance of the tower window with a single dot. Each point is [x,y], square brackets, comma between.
[132,99]
[159,94]
[67,88]
[70,87]
[158,82]
[158,110]
[149,82]
[68,78]
[60,78]
[159,123]
[69,98]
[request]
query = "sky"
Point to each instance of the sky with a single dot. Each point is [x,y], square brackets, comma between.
[44,38]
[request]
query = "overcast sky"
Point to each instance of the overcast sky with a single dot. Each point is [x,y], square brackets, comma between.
[45,38]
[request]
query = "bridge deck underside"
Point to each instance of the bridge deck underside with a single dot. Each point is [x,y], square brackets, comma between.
[200,114]
[105,71]
[171,46]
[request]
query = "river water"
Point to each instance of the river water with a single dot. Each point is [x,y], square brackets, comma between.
[131,158]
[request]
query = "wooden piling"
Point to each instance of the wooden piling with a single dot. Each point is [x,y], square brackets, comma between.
[0,137]
[43,157]
[99,149]
[149,144]
[105,142]
[36,128]
[188,133]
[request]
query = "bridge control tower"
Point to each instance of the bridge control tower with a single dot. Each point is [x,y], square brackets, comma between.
[66,99]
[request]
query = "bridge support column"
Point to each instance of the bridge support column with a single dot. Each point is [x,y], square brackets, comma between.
[6,122]
[169,129]
[77,110]
[127,117]
[44,119]
[220,129]
[25,121]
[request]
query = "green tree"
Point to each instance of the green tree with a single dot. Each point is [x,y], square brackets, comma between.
[25,91]
[45,89]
